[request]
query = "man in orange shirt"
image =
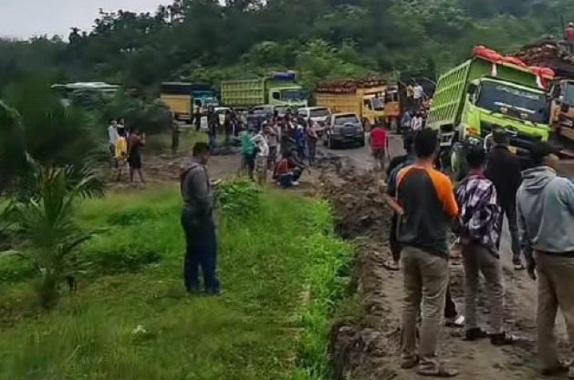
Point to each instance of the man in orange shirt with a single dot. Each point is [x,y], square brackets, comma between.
[426,205]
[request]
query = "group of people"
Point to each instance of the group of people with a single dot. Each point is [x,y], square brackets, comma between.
[280,145]
[539,206]
[125,147]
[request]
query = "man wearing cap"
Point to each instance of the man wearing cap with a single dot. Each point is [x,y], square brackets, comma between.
[545,208]
[504,170]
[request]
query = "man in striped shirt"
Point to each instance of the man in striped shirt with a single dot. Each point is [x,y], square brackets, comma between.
[479,230]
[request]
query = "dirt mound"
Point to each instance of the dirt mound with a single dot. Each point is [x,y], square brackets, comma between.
[361,346]
[357,199]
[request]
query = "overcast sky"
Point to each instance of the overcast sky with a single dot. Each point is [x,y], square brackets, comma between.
[27,18]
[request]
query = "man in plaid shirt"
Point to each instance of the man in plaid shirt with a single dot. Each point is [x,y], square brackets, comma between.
[479,230]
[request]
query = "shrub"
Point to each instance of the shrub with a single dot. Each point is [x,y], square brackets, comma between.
[14,268]
[239,198]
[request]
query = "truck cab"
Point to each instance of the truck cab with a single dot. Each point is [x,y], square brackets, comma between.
[291,96]
[474,98]
[562,110]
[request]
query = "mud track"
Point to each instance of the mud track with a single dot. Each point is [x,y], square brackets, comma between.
[366,344]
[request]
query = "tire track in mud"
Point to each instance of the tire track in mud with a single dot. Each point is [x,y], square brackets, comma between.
[366,345]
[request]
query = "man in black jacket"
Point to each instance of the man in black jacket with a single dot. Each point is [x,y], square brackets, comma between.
[504,170]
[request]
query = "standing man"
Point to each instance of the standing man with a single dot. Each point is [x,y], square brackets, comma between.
[545,206]
[312,139]
[417,122]
[418,96]
[198,224]
[503,169]
[479,230]
[175,132]
[135,144]
[426,206]
[262,157]
[248,152]
[212,128]
[113,137]
[272,135]
[379,141]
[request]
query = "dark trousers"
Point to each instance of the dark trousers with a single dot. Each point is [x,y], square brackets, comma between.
[510,212]
[201,252]
[286,180]
[312,148]
[449,307]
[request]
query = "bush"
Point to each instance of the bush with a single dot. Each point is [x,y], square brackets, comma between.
[123,256]
[239,198]
[14,268]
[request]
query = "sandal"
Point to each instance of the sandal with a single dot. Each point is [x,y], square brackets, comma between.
[410,363]
[441,371]
[518,265]
[391,265]
[457,322]
[503,339]
[560,369]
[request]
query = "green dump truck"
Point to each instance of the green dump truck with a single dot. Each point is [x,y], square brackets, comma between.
[279,89]
[479,95]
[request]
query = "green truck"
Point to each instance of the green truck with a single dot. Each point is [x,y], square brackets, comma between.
[279,89]
[477,96]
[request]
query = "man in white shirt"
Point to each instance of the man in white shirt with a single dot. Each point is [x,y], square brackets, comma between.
[260,141]
[113,138]
[418,94]
[417,122]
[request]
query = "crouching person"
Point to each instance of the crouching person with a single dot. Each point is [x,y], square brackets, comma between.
[479,229]
[288,171]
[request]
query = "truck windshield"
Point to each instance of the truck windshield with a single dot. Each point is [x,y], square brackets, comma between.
[319,112]
[378,104]
[528,105]
[293,95]
[346,119]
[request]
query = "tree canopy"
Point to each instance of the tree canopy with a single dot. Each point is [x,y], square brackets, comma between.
[209,40]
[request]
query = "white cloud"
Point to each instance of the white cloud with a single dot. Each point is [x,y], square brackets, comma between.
[27,18]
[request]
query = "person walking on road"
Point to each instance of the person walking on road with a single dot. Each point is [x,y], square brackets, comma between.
[379,141]
[198,223]
[426,206]
[312,138]
[478,229]
[503,169]
[545,208]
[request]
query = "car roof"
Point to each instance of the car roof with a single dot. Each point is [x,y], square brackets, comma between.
[345,114]
[315,108]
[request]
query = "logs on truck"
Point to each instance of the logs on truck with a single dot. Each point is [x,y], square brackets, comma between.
[349,85]
[548,54]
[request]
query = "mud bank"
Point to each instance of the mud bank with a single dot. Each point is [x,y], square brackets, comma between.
[365,345]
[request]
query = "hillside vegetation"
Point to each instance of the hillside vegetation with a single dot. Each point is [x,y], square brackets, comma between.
[209,41]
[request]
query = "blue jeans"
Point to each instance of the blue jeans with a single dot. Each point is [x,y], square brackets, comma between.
[212,142]
[286,180]
[201,251]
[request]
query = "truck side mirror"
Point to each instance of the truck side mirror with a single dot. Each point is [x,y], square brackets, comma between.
[472,88]
[275,95]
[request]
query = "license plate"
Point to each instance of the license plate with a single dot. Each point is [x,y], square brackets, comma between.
[513,149]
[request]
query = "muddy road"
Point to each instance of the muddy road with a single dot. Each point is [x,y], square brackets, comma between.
[367,347]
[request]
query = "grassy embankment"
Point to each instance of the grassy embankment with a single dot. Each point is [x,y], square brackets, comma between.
[130,318]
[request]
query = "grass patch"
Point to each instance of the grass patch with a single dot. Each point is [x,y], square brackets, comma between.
[131,318]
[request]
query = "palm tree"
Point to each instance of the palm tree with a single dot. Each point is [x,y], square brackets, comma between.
[47,155]
[46,222]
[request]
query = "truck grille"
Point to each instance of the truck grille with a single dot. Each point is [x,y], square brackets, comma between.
[521,140]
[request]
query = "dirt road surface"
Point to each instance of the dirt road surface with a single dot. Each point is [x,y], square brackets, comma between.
[368,347]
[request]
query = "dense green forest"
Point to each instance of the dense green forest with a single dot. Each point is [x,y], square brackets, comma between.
[205,40]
